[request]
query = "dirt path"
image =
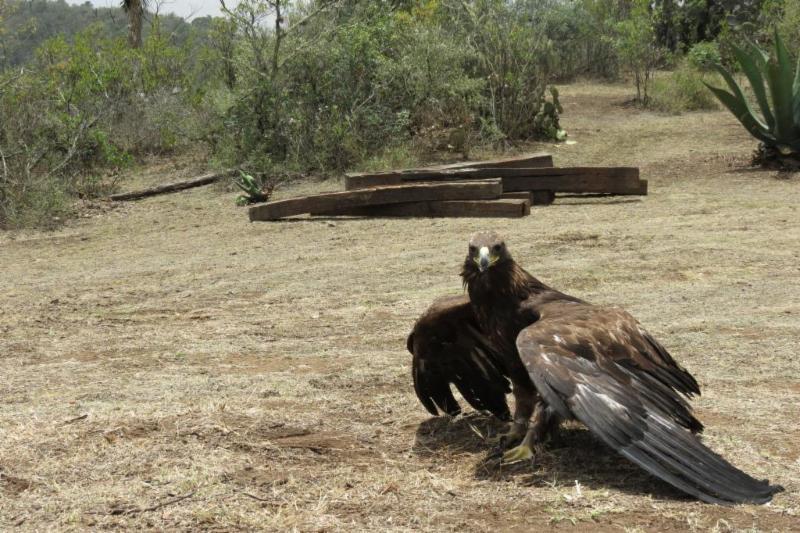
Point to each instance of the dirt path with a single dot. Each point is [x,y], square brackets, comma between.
[169,348]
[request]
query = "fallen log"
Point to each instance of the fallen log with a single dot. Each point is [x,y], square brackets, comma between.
[199,181]
[503,208]
[322,203]
[360,180]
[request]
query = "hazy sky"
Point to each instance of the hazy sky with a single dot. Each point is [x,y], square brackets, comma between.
[183,8]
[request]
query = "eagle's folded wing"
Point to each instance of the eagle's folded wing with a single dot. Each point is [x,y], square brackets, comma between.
[447,347]
[588,364]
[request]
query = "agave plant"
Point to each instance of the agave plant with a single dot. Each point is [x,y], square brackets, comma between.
[255,190]
[776,88]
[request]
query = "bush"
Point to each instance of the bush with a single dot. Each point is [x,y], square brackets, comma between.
[514,58]
[82,110]
[338,89]
[703,56]
[682,90]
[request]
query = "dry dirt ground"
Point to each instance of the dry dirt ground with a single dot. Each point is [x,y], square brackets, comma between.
[169,365]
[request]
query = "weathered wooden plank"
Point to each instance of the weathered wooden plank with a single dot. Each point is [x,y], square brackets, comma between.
[360,180]
[422,192]
[504,208]
[574,184]
[171,187]
[519,195]
[571,178]
[521,161]
[613,172]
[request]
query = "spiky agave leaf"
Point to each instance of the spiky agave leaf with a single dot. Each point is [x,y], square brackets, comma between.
[780,127]
[248,184]
[741,110]
[780,78]
[751,60]
[743,106]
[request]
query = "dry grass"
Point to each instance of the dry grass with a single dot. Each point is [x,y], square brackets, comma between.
[168,365]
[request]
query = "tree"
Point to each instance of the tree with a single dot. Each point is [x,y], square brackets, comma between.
[637,46]
[135,10]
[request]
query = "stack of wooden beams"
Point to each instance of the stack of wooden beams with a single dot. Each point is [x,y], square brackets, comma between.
[496,188]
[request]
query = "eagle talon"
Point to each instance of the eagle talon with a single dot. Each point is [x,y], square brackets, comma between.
[518,453]
[515,433]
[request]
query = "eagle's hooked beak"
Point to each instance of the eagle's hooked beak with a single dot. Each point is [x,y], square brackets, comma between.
[484,259]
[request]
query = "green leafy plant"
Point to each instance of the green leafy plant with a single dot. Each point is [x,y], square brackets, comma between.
[776,88]
[704,55]
[683,90]
[255,189]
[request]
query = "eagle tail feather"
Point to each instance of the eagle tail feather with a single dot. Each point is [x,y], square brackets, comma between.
[680,458]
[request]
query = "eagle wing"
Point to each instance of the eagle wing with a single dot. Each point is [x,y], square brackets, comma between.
[448,347]
[599,366]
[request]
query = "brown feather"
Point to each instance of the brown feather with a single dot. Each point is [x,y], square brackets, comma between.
[448,348]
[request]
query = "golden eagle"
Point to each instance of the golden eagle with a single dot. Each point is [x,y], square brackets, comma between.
[566,359]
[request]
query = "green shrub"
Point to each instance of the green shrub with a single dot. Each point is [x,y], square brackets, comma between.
[682,90]
[577,37]
[514,58]
[342,87]
[704,55]
[37,202]
[83,110]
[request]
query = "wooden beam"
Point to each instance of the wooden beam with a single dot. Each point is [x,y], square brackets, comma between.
[576,184]
[612,180]
[508,208]
[171,187]
[519,195]
[520,161]
[360,180]
[324,203]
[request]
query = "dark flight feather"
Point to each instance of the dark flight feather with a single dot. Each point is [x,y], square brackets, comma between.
[630,395]
[447,347]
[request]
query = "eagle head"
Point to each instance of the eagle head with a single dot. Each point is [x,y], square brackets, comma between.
[486,249]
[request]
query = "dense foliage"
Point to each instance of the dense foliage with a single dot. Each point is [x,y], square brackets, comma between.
[28,24]
[326,85]
[329,92]
[79,112]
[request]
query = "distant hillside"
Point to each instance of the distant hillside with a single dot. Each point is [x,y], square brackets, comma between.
[30,22]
